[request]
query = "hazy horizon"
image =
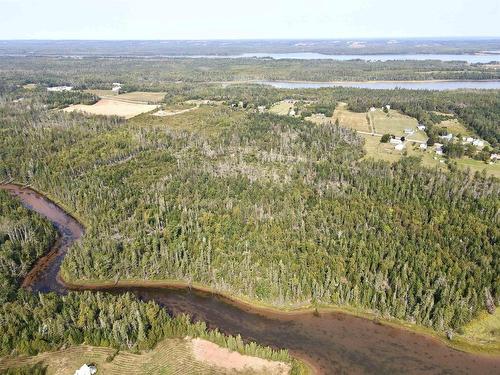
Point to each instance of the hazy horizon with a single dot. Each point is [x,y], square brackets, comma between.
[258,20]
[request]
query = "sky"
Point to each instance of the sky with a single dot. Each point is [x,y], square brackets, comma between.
[254,19]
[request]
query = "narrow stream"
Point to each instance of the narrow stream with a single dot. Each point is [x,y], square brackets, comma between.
[335,343]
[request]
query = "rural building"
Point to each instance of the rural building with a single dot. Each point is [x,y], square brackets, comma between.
[399,147]
[261,108]
[468,139]
[423,146]
[388,107]
[86,370]
[448,137]
[478,143]
[421,127]
[292,112]
[116,89]
[495,157]
[395,141]
[60,88]
[409,131]
[372,109]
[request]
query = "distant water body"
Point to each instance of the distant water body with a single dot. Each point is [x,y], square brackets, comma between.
[470,58]
[385,85]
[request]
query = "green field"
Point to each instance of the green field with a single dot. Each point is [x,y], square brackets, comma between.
[396,123]
[281,108]
[349,119]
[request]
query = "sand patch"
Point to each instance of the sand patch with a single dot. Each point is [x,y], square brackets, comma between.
[208,352]
[110,107]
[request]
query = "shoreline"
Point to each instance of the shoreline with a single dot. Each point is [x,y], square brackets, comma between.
[259,307]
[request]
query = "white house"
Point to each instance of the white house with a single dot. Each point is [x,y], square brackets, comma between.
[261,108]
[86,370]
[399,147]
[468,139]
[372,109]
[478,143]
[388,106]
[448,137]
[292,112]
[395,141]
[438,148]
[60,88]
[495,157]
[421,127]
[423,146]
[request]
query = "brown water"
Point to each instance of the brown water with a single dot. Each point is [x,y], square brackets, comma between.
[335,343]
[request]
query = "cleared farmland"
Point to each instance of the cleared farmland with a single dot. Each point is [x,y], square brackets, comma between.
[171,356]
[111,107]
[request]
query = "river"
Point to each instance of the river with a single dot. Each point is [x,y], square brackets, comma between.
[335,343]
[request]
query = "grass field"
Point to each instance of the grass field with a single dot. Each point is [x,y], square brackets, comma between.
[30,86]
[171,356]
[485,329]
[110,107]
[384,151]
[349,119]
[281,108]
[455,127]
[141,96]
[396,123]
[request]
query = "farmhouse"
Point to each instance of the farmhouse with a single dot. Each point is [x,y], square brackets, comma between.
[478,143]
[495,157]
[388,107]
[261,108]
[421,127]
[448,137]
[423,146]
[372,109]
[292,112]
[395,141]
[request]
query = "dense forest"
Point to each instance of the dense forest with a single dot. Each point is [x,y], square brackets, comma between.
[24,237]
[33,323]
[271,208]
[153,48]
[155,73]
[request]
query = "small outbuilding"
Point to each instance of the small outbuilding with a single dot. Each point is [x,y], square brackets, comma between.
[86,370]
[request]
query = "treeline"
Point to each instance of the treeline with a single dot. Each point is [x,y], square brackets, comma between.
[24,237]
[42,322]
[154,73]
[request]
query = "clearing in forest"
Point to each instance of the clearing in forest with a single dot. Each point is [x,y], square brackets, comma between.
[140,97]
[282,108]
[396,123]
[349,119]
[170,356]
[111,107]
